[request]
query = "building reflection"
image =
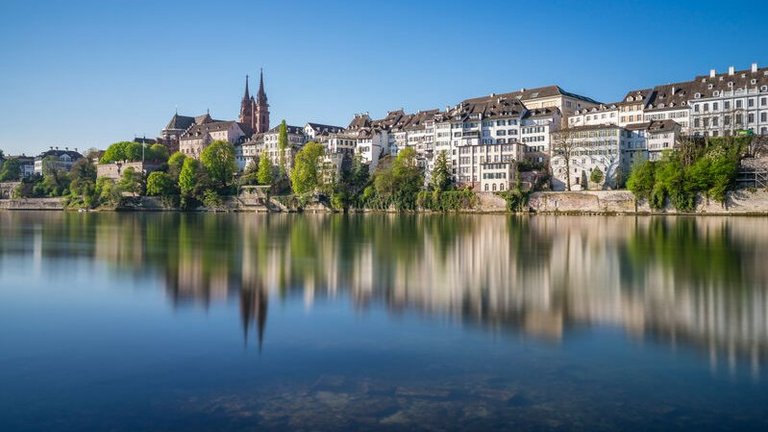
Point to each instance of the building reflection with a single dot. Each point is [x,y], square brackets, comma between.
[689,282]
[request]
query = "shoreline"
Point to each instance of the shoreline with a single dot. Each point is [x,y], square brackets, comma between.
[579,203]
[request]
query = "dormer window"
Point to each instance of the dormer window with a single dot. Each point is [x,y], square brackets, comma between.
[710,86]
[697,96]
[763,88]
[715,93]
[753,81]
[730,84]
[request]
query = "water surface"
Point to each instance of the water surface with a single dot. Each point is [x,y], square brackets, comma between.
[127,322]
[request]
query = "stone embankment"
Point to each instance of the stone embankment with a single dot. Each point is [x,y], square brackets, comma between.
[32,204]
[741,202]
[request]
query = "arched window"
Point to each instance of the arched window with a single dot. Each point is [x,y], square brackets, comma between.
[486,187]
[494,187]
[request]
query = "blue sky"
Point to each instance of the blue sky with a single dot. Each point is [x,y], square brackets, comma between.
[89,73]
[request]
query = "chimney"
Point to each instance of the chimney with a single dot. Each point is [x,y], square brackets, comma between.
[673,87]
[754,67]
[730,70]
[712,73]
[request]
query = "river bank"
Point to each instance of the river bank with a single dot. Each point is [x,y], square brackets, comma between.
[741,202]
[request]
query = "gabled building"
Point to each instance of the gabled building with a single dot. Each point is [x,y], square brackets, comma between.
[730,103]
[62,159]
[199,136]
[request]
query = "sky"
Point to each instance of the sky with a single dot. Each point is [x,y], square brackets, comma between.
[84,74]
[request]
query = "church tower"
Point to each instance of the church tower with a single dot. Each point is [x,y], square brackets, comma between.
[260,110]
[246,106]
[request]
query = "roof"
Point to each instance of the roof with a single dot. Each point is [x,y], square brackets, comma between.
[671,96]
[296,130]
[59,153]
[635,96]
[589,128]
[538,92]
[418,120]
[487,107]
[324,128]
[214,126]
[360,121]
[180,122]
[663,125]
[542,112]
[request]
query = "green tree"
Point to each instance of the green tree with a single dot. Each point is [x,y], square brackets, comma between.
[157,152]
[596,176]
[160,184]
[11,170]
[264,174]
[219,161]
[641,179]
[83,186]
[191,179]
[116,152]
[55,182]
[305,174]
[132,181]
[250,175]
[441,173]
[175,162]
[282,146]
[107,191]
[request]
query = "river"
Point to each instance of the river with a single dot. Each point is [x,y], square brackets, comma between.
[167,321]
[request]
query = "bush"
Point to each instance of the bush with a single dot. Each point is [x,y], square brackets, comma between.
[447,200]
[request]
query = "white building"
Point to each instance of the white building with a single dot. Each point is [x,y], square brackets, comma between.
[730,103]
[535,132]
[497,176]
[62,159]
[590,147]
[663,135]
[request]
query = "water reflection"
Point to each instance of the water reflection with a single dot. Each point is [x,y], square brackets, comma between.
[692,282]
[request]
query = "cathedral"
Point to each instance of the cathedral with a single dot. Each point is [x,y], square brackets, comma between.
[255,111]
[190,135]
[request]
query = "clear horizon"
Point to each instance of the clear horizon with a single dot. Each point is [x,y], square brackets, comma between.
[87,74]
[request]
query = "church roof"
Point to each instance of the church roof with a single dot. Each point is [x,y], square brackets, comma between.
[180,122]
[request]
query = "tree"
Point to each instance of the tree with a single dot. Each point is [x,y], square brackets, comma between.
[304,175]
[282,145]
[160,184]
[116,152]
[219,161]
[55,180]
[10,170]
[264,174]
[157,152]
[107,191]
[191,179]
[641,179]
[400,183]
[175,162]
[441,173]
[596,176]
[83,175]
[563,146]
[250,175]
[132,181]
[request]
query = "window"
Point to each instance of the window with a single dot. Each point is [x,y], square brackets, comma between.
[714,106]
[727,105]
[739,103]
[750,118]
[750,102]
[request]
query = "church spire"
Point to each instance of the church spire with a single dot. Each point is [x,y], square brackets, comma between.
[247,95]
[261,97]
